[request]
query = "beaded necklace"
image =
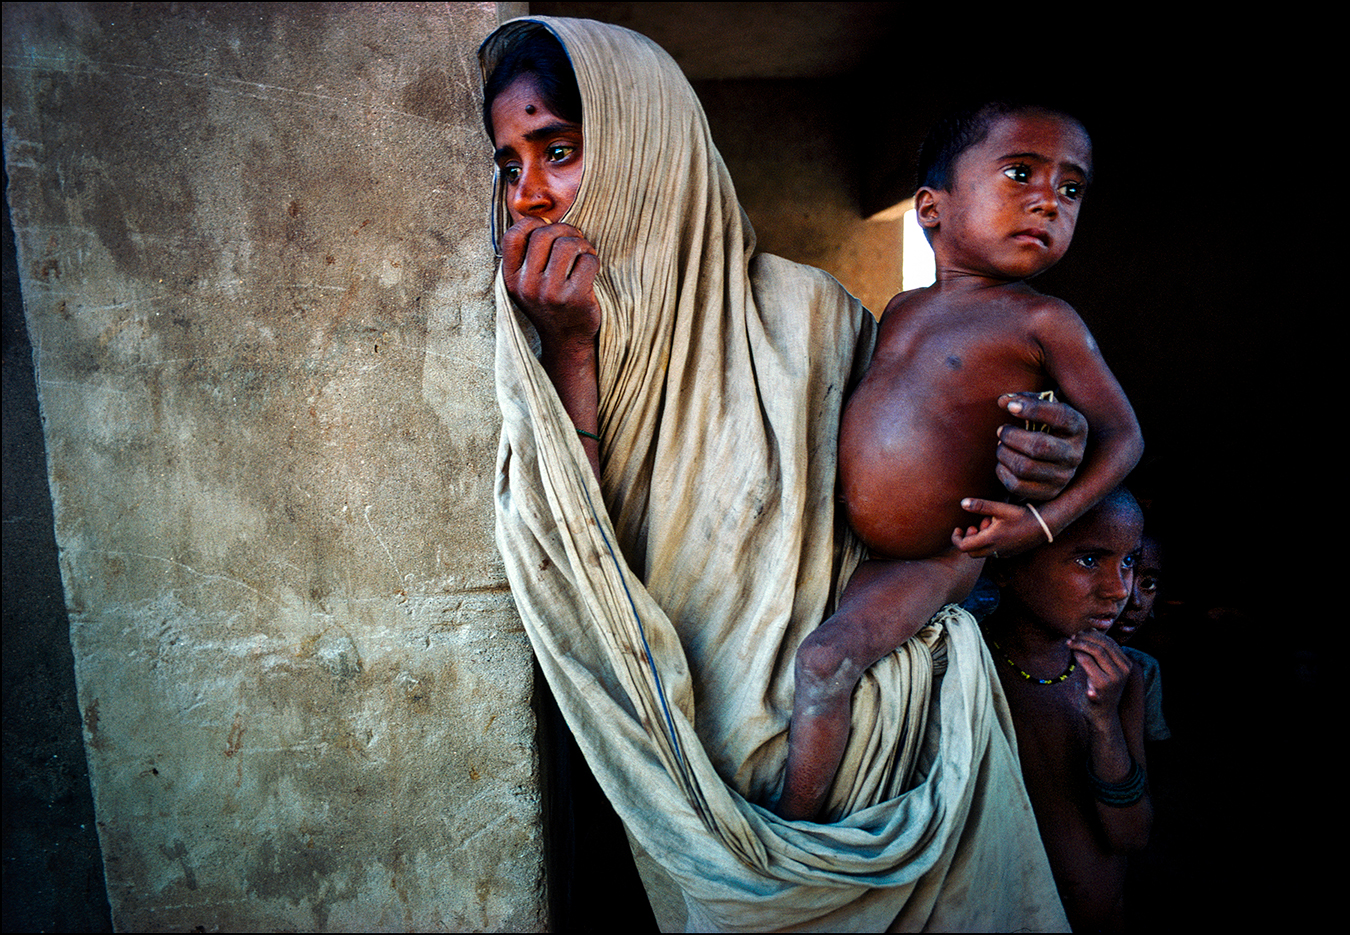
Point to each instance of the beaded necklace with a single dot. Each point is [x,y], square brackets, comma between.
[1031,678]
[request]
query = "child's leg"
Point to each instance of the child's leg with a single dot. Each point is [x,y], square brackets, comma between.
[885,603]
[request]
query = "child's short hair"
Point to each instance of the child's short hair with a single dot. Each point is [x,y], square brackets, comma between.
[959,130]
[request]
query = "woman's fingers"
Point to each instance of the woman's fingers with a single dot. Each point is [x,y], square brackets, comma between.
[1060,419]
[1025,476]
[581,277]
[993,508]
[550,272]
[560,264]
[1005,530]
[515,243]
[529,245]
[1037,465]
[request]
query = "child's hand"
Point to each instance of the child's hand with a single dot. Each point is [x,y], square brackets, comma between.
[1107,669]
[1005,530]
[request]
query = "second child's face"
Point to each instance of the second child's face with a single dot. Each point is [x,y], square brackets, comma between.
[1015,197]
[1082,580]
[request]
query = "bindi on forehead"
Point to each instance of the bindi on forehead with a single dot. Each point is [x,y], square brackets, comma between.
[529,108]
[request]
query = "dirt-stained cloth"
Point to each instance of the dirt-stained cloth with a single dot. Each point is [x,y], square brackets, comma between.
[666,603]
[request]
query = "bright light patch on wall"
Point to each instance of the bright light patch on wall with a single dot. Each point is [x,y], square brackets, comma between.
[917,268]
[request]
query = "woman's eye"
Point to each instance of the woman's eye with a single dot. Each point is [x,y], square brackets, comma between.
[1071,190]
[559,153]
[511,174]
[1018,173]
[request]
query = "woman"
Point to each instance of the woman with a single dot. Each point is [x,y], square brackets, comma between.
[666,515]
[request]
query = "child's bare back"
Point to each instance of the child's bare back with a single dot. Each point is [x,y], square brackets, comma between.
[918,434]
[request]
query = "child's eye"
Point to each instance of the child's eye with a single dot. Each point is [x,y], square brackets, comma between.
[1148,584]
[1071,190]
[1128,562]
[1088,561]
[1018,173]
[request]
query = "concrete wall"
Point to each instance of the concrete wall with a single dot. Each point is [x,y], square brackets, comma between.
[255,271]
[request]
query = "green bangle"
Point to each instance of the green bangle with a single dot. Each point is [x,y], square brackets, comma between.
[1121,794]
[588,434]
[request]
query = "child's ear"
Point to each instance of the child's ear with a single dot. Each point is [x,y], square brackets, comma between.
[927,207]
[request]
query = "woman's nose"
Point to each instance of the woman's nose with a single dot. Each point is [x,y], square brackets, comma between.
[532,195]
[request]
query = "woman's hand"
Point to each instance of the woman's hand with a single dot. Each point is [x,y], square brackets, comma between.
[1037,465]
[550,271]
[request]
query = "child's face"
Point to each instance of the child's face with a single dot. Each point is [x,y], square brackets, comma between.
[1082,580]
[1140,605]
[1015,197]
[539,154]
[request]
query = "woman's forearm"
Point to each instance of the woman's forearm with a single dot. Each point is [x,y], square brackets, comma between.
[572,368]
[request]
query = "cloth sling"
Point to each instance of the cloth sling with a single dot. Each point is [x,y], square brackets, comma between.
[665,604]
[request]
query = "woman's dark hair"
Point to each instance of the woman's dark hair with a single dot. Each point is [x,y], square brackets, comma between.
[961,129]
[539,54]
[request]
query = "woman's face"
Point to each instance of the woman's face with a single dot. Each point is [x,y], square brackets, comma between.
[539,154]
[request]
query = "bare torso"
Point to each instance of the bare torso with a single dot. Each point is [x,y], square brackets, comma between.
[919,432]
[1053,747]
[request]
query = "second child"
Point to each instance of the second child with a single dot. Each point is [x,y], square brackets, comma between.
[1001,187]
[1077,704]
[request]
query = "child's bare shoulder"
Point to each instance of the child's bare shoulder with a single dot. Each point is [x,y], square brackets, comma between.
[905,303]
[910,314]
[1045,313]
[1055,325]
[931,308]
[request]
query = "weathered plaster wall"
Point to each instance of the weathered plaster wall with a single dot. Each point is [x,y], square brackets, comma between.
[255,272]
[797,162]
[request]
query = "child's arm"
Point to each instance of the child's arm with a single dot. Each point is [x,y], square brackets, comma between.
[1074,363]
[1113,709]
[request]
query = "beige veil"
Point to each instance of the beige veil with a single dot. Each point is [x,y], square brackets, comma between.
[666,603]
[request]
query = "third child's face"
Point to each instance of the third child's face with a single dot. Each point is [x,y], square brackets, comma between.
[1140,606]
[1015,197]
[1082,580]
